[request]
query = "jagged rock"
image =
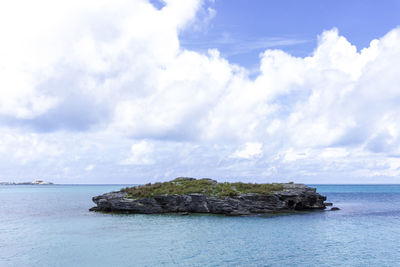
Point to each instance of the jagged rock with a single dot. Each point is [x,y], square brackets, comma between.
[293,197]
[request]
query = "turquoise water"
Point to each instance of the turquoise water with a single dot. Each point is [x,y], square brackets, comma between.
[51,226]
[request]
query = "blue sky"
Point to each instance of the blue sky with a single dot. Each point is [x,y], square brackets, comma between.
[242,29]
[136,91]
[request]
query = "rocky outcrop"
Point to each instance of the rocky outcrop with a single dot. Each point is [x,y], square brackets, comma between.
[293,197]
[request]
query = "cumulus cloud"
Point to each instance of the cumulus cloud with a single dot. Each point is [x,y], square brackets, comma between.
[140,154]
[249,151]
[84,80]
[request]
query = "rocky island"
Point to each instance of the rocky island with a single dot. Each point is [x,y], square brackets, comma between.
[189,195]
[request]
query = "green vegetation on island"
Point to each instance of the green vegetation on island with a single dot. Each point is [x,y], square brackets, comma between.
[209,187]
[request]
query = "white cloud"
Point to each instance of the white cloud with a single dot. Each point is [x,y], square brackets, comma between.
[291,155]
[27,148]
[82,79]
[249,151]
[89,168]
[335,152]
[141,154]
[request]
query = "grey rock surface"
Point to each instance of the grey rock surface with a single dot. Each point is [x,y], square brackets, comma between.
[294,197]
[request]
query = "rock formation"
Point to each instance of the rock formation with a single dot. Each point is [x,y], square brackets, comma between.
[289,198]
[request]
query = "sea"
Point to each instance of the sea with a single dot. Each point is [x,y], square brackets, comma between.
[50,225]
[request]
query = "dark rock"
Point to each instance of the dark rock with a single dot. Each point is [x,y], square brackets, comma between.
[328,204]
[293,197]
[335,208]
[94,209]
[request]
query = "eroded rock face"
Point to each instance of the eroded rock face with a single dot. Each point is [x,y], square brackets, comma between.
[293,197]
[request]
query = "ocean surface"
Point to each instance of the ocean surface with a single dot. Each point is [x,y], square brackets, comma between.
[51,226]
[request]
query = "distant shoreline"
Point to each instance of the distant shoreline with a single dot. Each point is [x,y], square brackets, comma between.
[35,182]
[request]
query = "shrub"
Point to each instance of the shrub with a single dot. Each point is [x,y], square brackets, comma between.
[184,185]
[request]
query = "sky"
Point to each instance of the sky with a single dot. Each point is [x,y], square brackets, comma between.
[242,29]
[137,91]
